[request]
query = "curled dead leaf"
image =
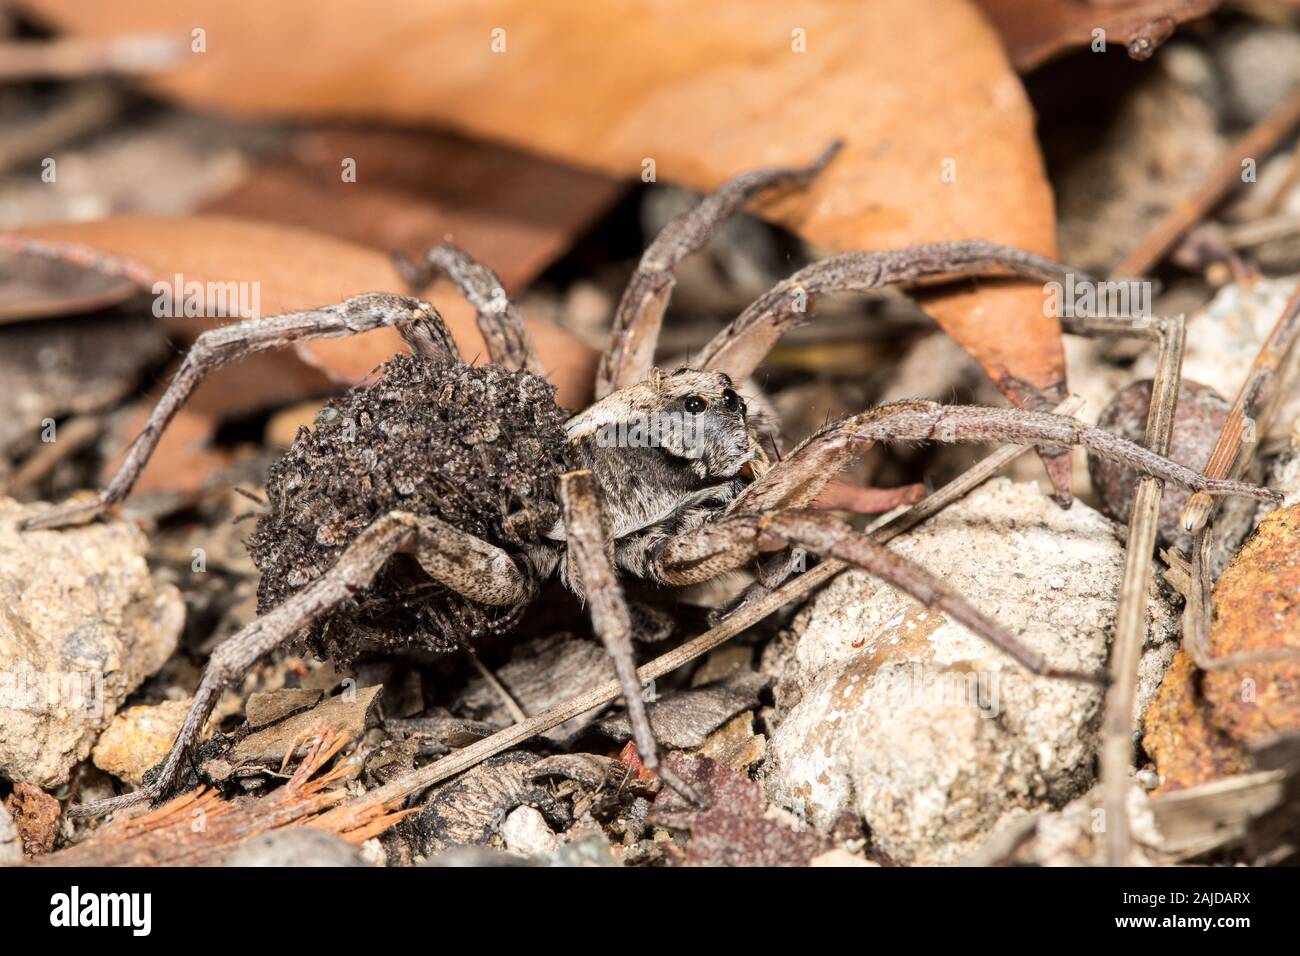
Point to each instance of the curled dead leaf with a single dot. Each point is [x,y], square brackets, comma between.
[736,828]
[746,85]
[286,270]
[281,269]
[1034,31]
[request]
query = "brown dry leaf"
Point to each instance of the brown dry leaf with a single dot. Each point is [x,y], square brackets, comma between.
[32,287]
[684,719]
[1199,730]
[735,829]
[294,269]
[1034,31]
[183,462]
[415,188]
[293,736]
[917,88]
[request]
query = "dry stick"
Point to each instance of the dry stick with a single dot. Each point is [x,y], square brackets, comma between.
[1197,614]
[1255,403]
[498,688]
[74,435]
[86,108]
[884,530]
[1257,232]
[1262,139]
[1131,615]
[72,57]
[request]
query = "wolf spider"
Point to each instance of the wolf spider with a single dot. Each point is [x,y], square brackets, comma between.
[429,503]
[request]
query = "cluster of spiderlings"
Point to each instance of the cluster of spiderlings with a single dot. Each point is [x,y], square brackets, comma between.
[479,447]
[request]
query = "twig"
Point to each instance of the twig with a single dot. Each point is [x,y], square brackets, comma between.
[498,688]
[1257,232]
[86,108]
[1254,404]
[1198,612]
[1260,140]
[72,57]
[998,849]
[884,530]
[1103,326]
[74,435]
[1130,616]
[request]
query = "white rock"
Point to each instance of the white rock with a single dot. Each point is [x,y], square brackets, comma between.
[1261,65]
[840,857]
[525,832]
[296,847]
[11,847]
[1224,338]
[895,712]
[1283,476]
[82,624]
[1073,835]
[372,851]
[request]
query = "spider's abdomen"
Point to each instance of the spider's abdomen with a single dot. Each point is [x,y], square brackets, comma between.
[480,447]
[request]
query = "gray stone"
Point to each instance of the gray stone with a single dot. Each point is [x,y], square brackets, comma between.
[295,846]
[524,831]
[82,624]
[1261,67]
[894,712]
[11,847]
[1224,338]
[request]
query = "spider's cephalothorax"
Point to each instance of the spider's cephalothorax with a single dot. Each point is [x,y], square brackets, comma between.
[668,454]
[426,506]
[480,447]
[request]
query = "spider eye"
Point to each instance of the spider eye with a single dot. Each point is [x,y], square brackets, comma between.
[695,404]
[732,401]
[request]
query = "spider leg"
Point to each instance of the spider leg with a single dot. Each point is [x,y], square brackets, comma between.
[640,312]
[735,540]
[800,476]
[502,324]
[467,565]
[742,345]
[420,323]
[589,548]
[454,558]
[771,573]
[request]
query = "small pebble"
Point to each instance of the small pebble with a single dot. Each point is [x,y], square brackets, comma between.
[525,832]
[295,846]
[1197,422]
